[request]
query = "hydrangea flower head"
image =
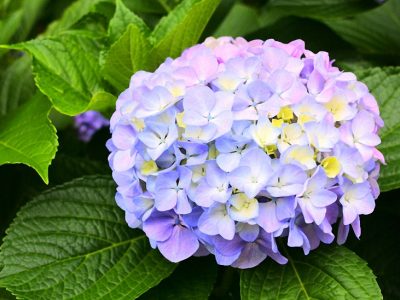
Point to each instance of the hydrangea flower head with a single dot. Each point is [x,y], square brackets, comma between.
[237,143]
[88,123]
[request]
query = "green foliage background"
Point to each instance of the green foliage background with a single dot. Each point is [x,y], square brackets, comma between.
[69,240]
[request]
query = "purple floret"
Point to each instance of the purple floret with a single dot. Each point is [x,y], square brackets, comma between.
[88,123]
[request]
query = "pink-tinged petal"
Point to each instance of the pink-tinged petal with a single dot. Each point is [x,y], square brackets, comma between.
[274,59]
[346,135]
[295,94]
[366,151]
[205,66]
[315,83]
[349,214]
[182,244]
[326,94]
[123,160]
[370,103]
[379,156]
[369,139]
[294,65]
[187,74]
[363,124]
[123,137]
[281,81]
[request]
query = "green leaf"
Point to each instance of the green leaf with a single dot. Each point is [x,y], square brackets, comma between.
[244,19]
[73,242]
[127,56]
[384,260]
[373,32]
[18,17]
[145,6]
[192,280]
[28,137]
[123,17]
[328,273]
[73,14]
[181,29]
[321,9]
[66,69]
[16,84]
[102,101]
[384,84]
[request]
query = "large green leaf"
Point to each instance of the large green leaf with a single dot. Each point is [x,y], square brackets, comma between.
[122,18]
[28,137]
[327,273]
[243,19]
[17,18]
[16,84]
[181,29]
[66,69]
[384,84]
[130,52]
[192,280]
[73,242]
[127,56]
[145,6]
[73,14]
[321,9]
[373,32]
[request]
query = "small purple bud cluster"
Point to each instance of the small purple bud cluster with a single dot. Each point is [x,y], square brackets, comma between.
[89,123]
[236,143]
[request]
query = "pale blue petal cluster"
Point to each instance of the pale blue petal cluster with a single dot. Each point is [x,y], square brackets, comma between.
[236,144]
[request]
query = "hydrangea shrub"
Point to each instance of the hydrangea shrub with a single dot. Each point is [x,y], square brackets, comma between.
[236,144]
[230,159]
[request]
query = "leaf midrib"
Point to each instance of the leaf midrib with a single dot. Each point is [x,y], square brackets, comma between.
[84,256]
[291,261]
